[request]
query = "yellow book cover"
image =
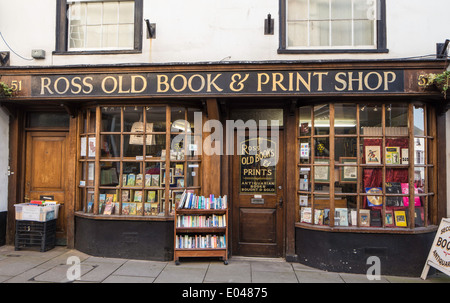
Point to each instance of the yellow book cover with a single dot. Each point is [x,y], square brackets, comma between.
[400,218]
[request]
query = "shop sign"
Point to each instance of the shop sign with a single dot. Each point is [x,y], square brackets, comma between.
[214,83]
[258,160]
[439,256]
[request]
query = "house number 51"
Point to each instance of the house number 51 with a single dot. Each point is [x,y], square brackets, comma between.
[16,85]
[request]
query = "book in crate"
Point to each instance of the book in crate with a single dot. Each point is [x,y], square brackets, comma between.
[210,241]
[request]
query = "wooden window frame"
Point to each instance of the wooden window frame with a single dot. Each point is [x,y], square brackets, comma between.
[429,197]
[381,44]
[61,47]
[93,115]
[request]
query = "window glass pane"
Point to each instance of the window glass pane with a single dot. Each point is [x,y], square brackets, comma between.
[364,32]
[419,123]
[321,119]
[110,146]
[345,119]
[298,33]
[110,12]
[397,120]
[305,150]
[94,13]
[319,9]
[319,33]
[109,36]
[126,35]
[370,120]
[363,9]
[111,119]
[297,9]
[48,120]
[321,149]
[258,115]
[94,36]
[126,14]
[132,115]
[109,173]
[341,33]
[156,144]
[305,120]
[341,9]
[345,148]
[156,115]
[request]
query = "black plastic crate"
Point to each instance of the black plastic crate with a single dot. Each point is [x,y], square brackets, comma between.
[35,234]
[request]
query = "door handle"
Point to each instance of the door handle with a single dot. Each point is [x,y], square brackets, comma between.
[280,202]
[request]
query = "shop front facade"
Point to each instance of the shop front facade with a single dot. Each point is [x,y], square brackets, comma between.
[320,161]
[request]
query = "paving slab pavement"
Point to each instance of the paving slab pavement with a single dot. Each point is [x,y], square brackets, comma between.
[55,266]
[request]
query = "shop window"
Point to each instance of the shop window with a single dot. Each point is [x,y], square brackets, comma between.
[146,157]
[362,165]
[330,25]
[99,26]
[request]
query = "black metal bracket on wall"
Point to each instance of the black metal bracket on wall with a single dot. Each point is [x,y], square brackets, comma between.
[151,29]
[268,25]
[4,59]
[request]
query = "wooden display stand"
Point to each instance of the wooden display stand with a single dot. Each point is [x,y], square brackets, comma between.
[201,231]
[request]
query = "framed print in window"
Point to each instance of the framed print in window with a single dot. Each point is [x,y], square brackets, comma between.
[348,174]
[322,171]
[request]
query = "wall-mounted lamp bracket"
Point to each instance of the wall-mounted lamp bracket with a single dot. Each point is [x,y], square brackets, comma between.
[268,25]
[151,29]
[442,49]
[4,58]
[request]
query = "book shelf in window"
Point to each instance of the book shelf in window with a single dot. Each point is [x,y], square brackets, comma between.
[201,227]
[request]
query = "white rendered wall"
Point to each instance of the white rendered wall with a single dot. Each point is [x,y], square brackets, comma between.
[212,30]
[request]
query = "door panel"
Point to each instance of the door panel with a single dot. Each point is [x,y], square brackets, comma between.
[45,172]
[258,175]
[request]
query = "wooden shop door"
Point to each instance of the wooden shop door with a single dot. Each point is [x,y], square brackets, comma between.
[45,173]
[258,192]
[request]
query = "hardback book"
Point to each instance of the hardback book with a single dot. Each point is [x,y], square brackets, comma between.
[364,217]
[155,180]
[131,181]
[341,217]
[139,180]
[374,200]
[90,207]
[405,156]
[151,196]
[400,218]
[318,216]
[375,218]
[148,180]
[116,208]
[132,208]
[373,155]
[124,179]
[326,216]
[303,200]
[108,208]
[418,217]
[353,218]
[389,218]
[305,215]
[125,208]
[147,209]
[138,208]
[125,196]
[180,182]
[137,196]
[405,190]
[179,170]
[394,188]
[392,155]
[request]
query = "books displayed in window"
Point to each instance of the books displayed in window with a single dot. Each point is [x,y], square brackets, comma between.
[151,196]
[303,200]
[405,156]
[375,218]
[364,217]
[304,150]
[341,217]
[179,170]
[374,200]
[304,175]
[389,218]
[405,190]
[131,180]
[137,196]
[139,180]
[373,155]
[393,188]
[400,218]
[392,155]
[306,215]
